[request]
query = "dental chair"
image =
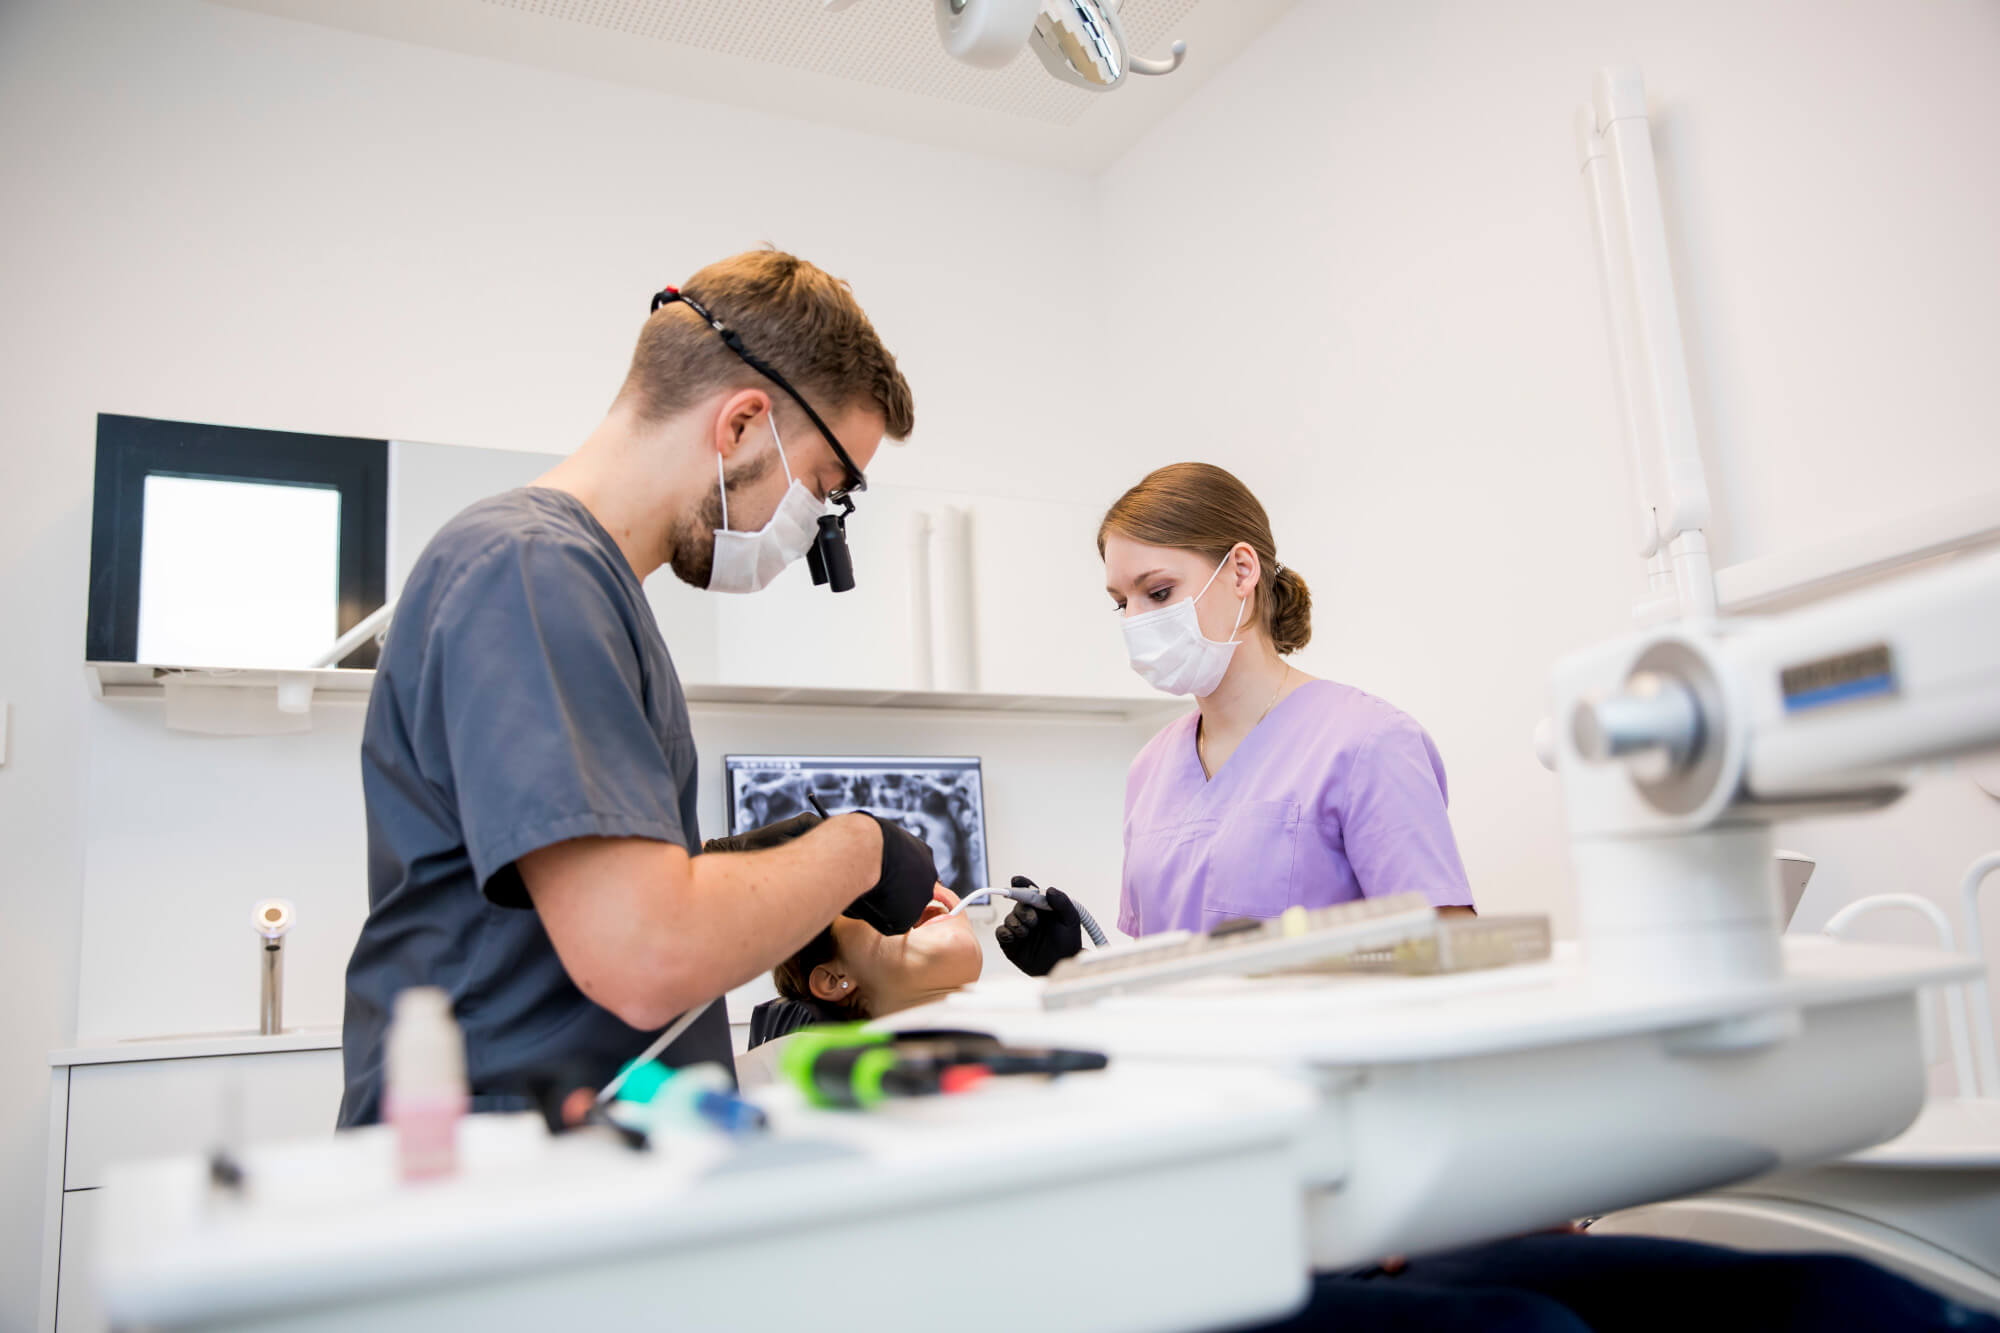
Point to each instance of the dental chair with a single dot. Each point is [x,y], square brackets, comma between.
[772,1026]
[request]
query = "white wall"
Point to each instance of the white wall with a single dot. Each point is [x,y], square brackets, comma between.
[430,483]
[1357,266]
[216,216]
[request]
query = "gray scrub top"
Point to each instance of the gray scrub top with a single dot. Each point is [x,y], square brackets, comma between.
[524,698]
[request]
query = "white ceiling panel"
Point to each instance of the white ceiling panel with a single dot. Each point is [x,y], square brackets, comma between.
[876,66]
[890,43]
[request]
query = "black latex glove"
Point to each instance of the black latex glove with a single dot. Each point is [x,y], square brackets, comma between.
[909,878]
[1036,939]
[770,835]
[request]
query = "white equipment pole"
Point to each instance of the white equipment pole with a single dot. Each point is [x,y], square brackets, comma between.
[1649,365]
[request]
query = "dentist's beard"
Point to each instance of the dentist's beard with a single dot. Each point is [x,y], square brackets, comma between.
[693,559]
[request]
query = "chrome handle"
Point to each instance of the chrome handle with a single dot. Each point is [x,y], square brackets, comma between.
[1654,713]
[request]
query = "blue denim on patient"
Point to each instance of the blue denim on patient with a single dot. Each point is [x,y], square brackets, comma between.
[1627,1284]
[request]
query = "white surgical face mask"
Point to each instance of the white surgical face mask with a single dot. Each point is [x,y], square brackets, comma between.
[1170,652]
[748,561]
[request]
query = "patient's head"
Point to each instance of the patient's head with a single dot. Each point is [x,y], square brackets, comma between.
[851,967]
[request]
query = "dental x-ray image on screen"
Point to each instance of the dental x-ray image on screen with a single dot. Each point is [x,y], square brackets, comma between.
[939,800]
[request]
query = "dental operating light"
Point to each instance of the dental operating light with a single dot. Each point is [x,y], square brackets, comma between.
[1081,42]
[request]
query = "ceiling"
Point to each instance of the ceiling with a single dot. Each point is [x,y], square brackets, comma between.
[876,66]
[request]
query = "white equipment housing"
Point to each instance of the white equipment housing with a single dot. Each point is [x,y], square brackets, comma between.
[1679,746]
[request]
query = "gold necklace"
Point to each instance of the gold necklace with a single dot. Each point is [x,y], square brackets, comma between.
[1201,736]
[1282,682]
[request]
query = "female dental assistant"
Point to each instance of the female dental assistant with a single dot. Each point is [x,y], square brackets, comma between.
[1278,790]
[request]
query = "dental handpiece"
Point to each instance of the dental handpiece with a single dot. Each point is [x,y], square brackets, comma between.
[1024,890]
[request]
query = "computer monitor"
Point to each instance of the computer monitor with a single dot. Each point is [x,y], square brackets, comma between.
[940,800]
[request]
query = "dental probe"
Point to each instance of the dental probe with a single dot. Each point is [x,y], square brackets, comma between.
[1023,890]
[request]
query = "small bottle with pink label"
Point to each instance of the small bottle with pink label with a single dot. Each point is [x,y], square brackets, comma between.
[426,1094]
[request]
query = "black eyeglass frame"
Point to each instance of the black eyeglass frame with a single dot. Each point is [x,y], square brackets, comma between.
[856,479]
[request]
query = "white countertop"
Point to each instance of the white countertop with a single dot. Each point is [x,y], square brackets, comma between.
[195,1046]
[1369,1019]
[598,1229]
[1951,1134]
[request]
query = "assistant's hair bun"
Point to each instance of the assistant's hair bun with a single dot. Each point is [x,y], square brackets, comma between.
[1291,611]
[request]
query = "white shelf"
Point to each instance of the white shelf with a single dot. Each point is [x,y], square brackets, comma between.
[1110,708]
[196,1046]
[132,680]
[138,680]
[1790,578]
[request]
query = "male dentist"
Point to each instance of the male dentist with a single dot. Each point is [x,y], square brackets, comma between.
[527,762]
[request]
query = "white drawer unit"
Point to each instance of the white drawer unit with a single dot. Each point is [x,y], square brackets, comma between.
[125,1101]
[77,1306]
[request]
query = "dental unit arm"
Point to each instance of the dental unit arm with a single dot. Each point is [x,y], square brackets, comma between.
[1678,747]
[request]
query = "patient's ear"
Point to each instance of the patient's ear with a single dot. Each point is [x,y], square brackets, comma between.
[831,984]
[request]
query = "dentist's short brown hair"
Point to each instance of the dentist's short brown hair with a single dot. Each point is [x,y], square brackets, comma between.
[801,319]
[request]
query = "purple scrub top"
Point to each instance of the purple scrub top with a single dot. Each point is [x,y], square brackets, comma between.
[1334,796]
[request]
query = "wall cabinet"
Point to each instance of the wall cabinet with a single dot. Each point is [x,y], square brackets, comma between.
[77,1310]
[1045,623]
[796,634]
[136,1100]
[954,592]
[133,1100]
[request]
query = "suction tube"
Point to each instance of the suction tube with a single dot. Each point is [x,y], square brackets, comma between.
[1023,890]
